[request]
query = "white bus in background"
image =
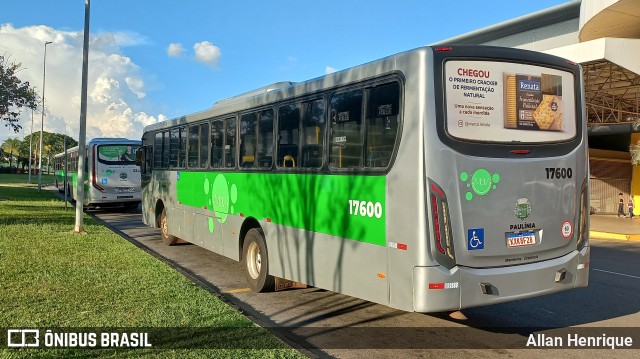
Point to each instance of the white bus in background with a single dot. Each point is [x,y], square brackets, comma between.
[111,175]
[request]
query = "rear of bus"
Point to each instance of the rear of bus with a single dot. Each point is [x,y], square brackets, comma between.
[506,178]
[114,176]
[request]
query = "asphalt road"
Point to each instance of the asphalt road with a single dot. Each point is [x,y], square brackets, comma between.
[325,324]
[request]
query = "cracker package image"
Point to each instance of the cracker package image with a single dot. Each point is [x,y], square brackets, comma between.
[533,102]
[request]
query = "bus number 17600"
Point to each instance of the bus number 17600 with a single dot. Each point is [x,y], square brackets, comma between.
[365,208]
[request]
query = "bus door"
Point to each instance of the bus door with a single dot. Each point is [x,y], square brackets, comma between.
[144,156]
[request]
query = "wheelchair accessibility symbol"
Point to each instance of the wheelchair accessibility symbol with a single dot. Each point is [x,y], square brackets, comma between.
[475,239]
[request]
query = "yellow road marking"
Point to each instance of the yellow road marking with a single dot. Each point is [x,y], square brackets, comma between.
[239,290]
[607,235]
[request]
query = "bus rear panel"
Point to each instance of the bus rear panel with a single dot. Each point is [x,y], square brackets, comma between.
[114,176]
[506,178]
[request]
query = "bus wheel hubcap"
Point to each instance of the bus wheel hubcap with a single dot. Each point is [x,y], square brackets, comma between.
[165,231]
[254,261]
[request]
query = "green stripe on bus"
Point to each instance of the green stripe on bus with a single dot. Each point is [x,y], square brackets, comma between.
[346,206]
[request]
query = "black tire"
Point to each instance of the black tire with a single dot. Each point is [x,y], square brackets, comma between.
[70,194]
[255,262]
[164,229]
[131,206]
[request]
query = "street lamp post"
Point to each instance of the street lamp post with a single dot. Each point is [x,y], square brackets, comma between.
[30,147]
[44,77]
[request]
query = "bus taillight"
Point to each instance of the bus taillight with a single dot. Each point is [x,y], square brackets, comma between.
[582,217]
[436,223]
[441,226]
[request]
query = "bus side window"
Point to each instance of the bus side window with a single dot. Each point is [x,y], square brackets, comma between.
[288,135]
[147,160]
[383,106]
[194,146]
[217,144]
[265,139]
[248,140]
[174,147]
[230,142]
[204,145]
[157,149]
[346,130]
[143,159]
[313,124]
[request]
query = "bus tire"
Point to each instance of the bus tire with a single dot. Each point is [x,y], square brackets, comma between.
[131,206]
[167,238]
[255,260]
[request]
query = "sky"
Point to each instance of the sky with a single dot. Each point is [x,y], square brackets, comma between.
[151,61]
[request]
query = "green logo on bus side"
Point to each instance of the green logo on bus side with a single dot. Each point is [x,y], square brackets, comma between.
[481,182]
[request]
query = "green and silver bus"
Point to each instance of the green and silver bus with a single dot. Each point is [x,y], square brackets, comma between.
[432,180]
[112,177]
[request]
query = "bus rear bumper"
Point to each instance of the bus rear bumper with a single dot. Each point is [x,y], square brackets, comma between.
[439,289]
[116,198]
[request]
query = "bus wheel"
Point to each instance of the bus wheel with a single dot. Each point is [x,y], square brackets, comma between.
[131,206]
[256,262]
[166,237]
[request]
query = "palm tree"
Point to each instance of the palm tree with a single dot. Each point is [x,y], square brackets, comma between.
[11,148]
[48,154]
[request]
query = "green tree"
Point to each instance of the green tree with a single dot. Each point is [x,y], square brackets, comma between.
[11,150]
[14,94]
[53,143]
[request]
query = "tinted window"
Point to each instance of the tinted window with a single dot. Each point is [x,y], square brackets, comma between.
[117,154]
[346,130]
[230,143]
[248,140]
[157,150]
[194,146]
[265,139]
[288,135]
[217,144]
[174,143]
[204,145]
[383,105]
[312,134]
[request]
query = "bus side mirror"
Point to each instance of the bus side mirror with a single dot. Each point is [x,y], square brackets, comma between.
[139,157]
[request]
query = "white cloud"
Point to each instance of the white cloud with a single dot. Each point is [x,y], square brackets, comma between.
[115,86]
[207,53]
[292,62]
[136,85]
[329,70]
[175,50]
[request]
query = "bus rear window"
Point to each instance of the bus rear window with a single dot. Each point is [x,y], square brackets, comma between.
[117,154]
[491,101]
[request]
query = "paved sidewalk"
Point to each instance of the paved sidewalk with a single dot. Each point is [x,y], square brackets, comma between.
[612,227]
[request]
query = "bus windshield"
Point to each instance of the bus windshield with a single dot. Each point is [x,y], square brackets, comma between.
[117,154]
[491,101]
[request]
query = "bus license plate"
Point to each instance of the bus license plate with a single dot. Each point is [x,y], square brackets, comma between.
[521,239]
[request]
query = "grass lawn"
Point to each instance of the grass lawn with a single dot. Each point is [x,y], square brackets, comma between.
[51,278]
